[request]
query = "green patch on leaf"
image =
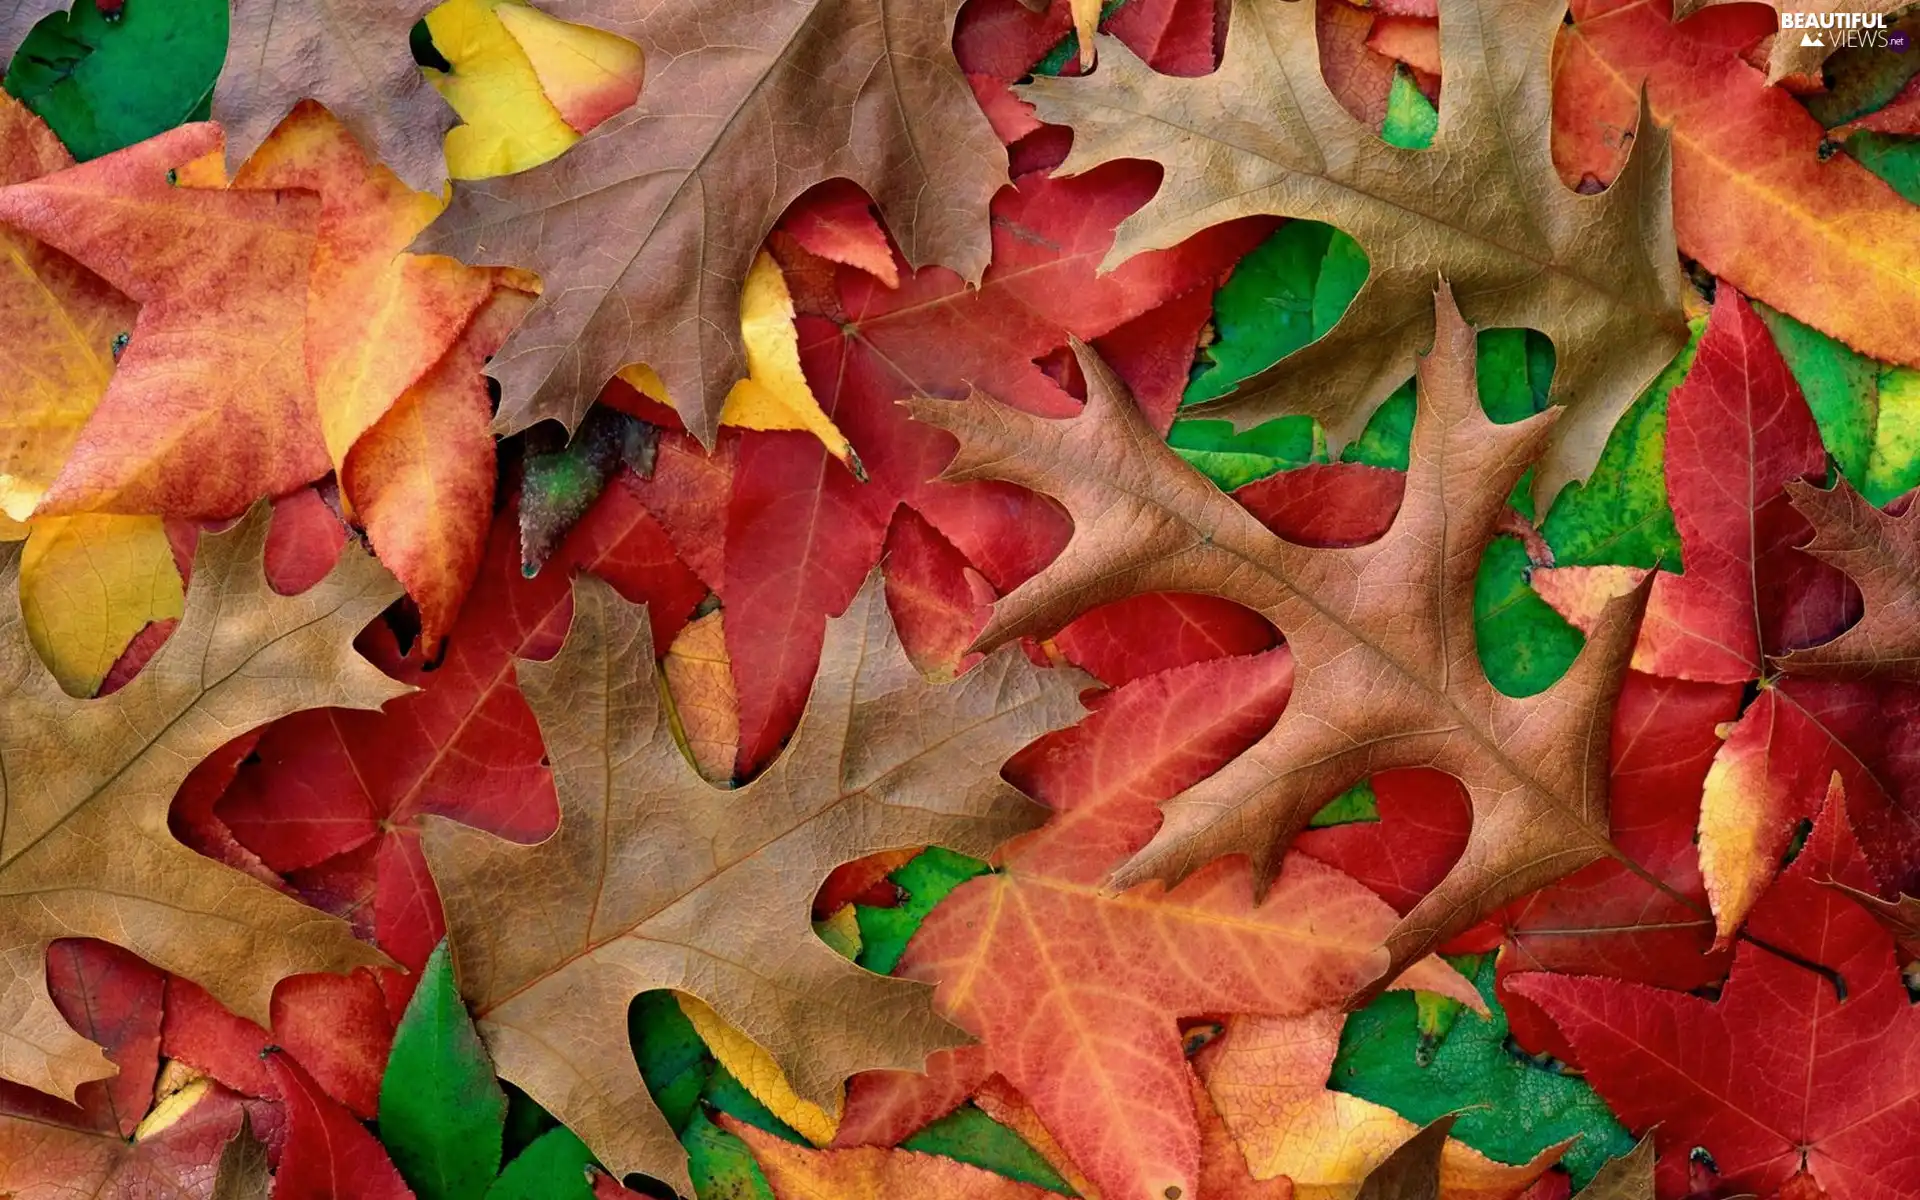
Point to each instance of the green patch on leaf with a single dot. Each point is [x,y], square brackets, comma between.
[1524,644]
[1234,460]
[1411,120]
[441,1109]
[970,1136]
[103,85]
[926,880]
[1355,806]
[1509,1107]
[1868,413]
[720,1164]
[553,1168]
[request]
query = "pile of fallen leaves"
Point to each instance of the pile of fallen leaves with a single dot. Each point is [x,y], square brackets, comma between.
[860,599]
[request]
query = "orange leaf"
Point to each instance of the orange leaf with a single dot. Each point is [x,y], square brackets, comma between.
[378,319]
[700,681]
[1753,199]
[872,1172]
[422,477]
[1076,991]
[209,407]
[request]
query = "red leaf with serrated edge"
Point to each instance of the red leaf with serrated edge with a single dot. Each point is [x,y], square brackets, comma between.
[1076,991]
[687,493]
[329,783]
[1738,430]
[936,608]
[835,221]
[1604,919]
[44,1161]
[1176,37]
[328,1154]
[1793,1069]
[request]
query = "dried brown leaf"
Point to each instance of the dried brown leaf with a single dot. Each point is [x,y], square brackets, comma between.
[1382,634]
[85,786]
[1483,206]
[1881,552]
[658,880]
[643,232]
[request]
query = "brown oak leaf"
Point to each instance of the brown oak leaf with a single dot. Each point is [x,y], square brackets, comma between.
[644,230]
[351,56]
[85,786]
[1881,551]
[656,879]
[1483,206]
[1382,634]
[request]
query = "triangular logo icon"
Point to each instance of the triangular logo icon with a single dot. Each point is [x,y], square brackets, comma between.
[1812,39]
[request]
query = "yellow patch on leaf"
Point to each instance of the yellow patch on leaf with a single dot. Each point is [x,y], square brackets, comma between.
[525,84]
[88,583]
[748,1062]
[588,74]
[774,395]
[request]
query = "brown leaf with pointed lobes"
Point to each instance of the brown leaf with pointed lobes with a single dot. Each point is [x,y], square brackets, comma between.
[1482,206]
[350,55]
[85,787]
[1881,552]
[656,879]
[644,230]
[1382,634]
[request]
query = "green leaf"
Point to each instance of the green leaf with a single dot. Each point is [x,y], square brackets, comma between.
[526,1122]
[927,879]
[1389,432]
[1524,644]
[552,1168]
[1355,806]
[103,85]
[970,1136]
[1893,469]
[441,1110]
[1264,311]
[673,1060]
[1234,460]
[1510,1107]
[1842,388]
[1620,514]
[1412,120]
[1861,80]
[721,1165]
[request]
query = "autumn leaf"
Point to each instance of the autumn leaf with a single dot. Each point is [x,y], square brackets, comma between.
[1268,1077]
[684,172]
[1780,1077]
[1372,682]
[332,798]
[327,1154]
[350,56]
[209,407]
[1880,551]
[774,395]
[1075,992]
[1595,273]
[1748,177]
[872,1172]
[526,86]
[573,952]
[87,852]
[1739,436]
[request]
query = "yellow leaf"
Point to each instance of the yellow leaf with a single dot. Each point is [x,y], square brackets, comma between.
[88,583]
[759,1074]
[588,74]
[172,1106]
[841,932]
[509,124]
[774,395]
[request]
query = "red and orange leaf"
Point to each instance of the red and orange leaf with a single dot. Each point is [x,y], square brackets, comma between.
[871,1172]
[209,407]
